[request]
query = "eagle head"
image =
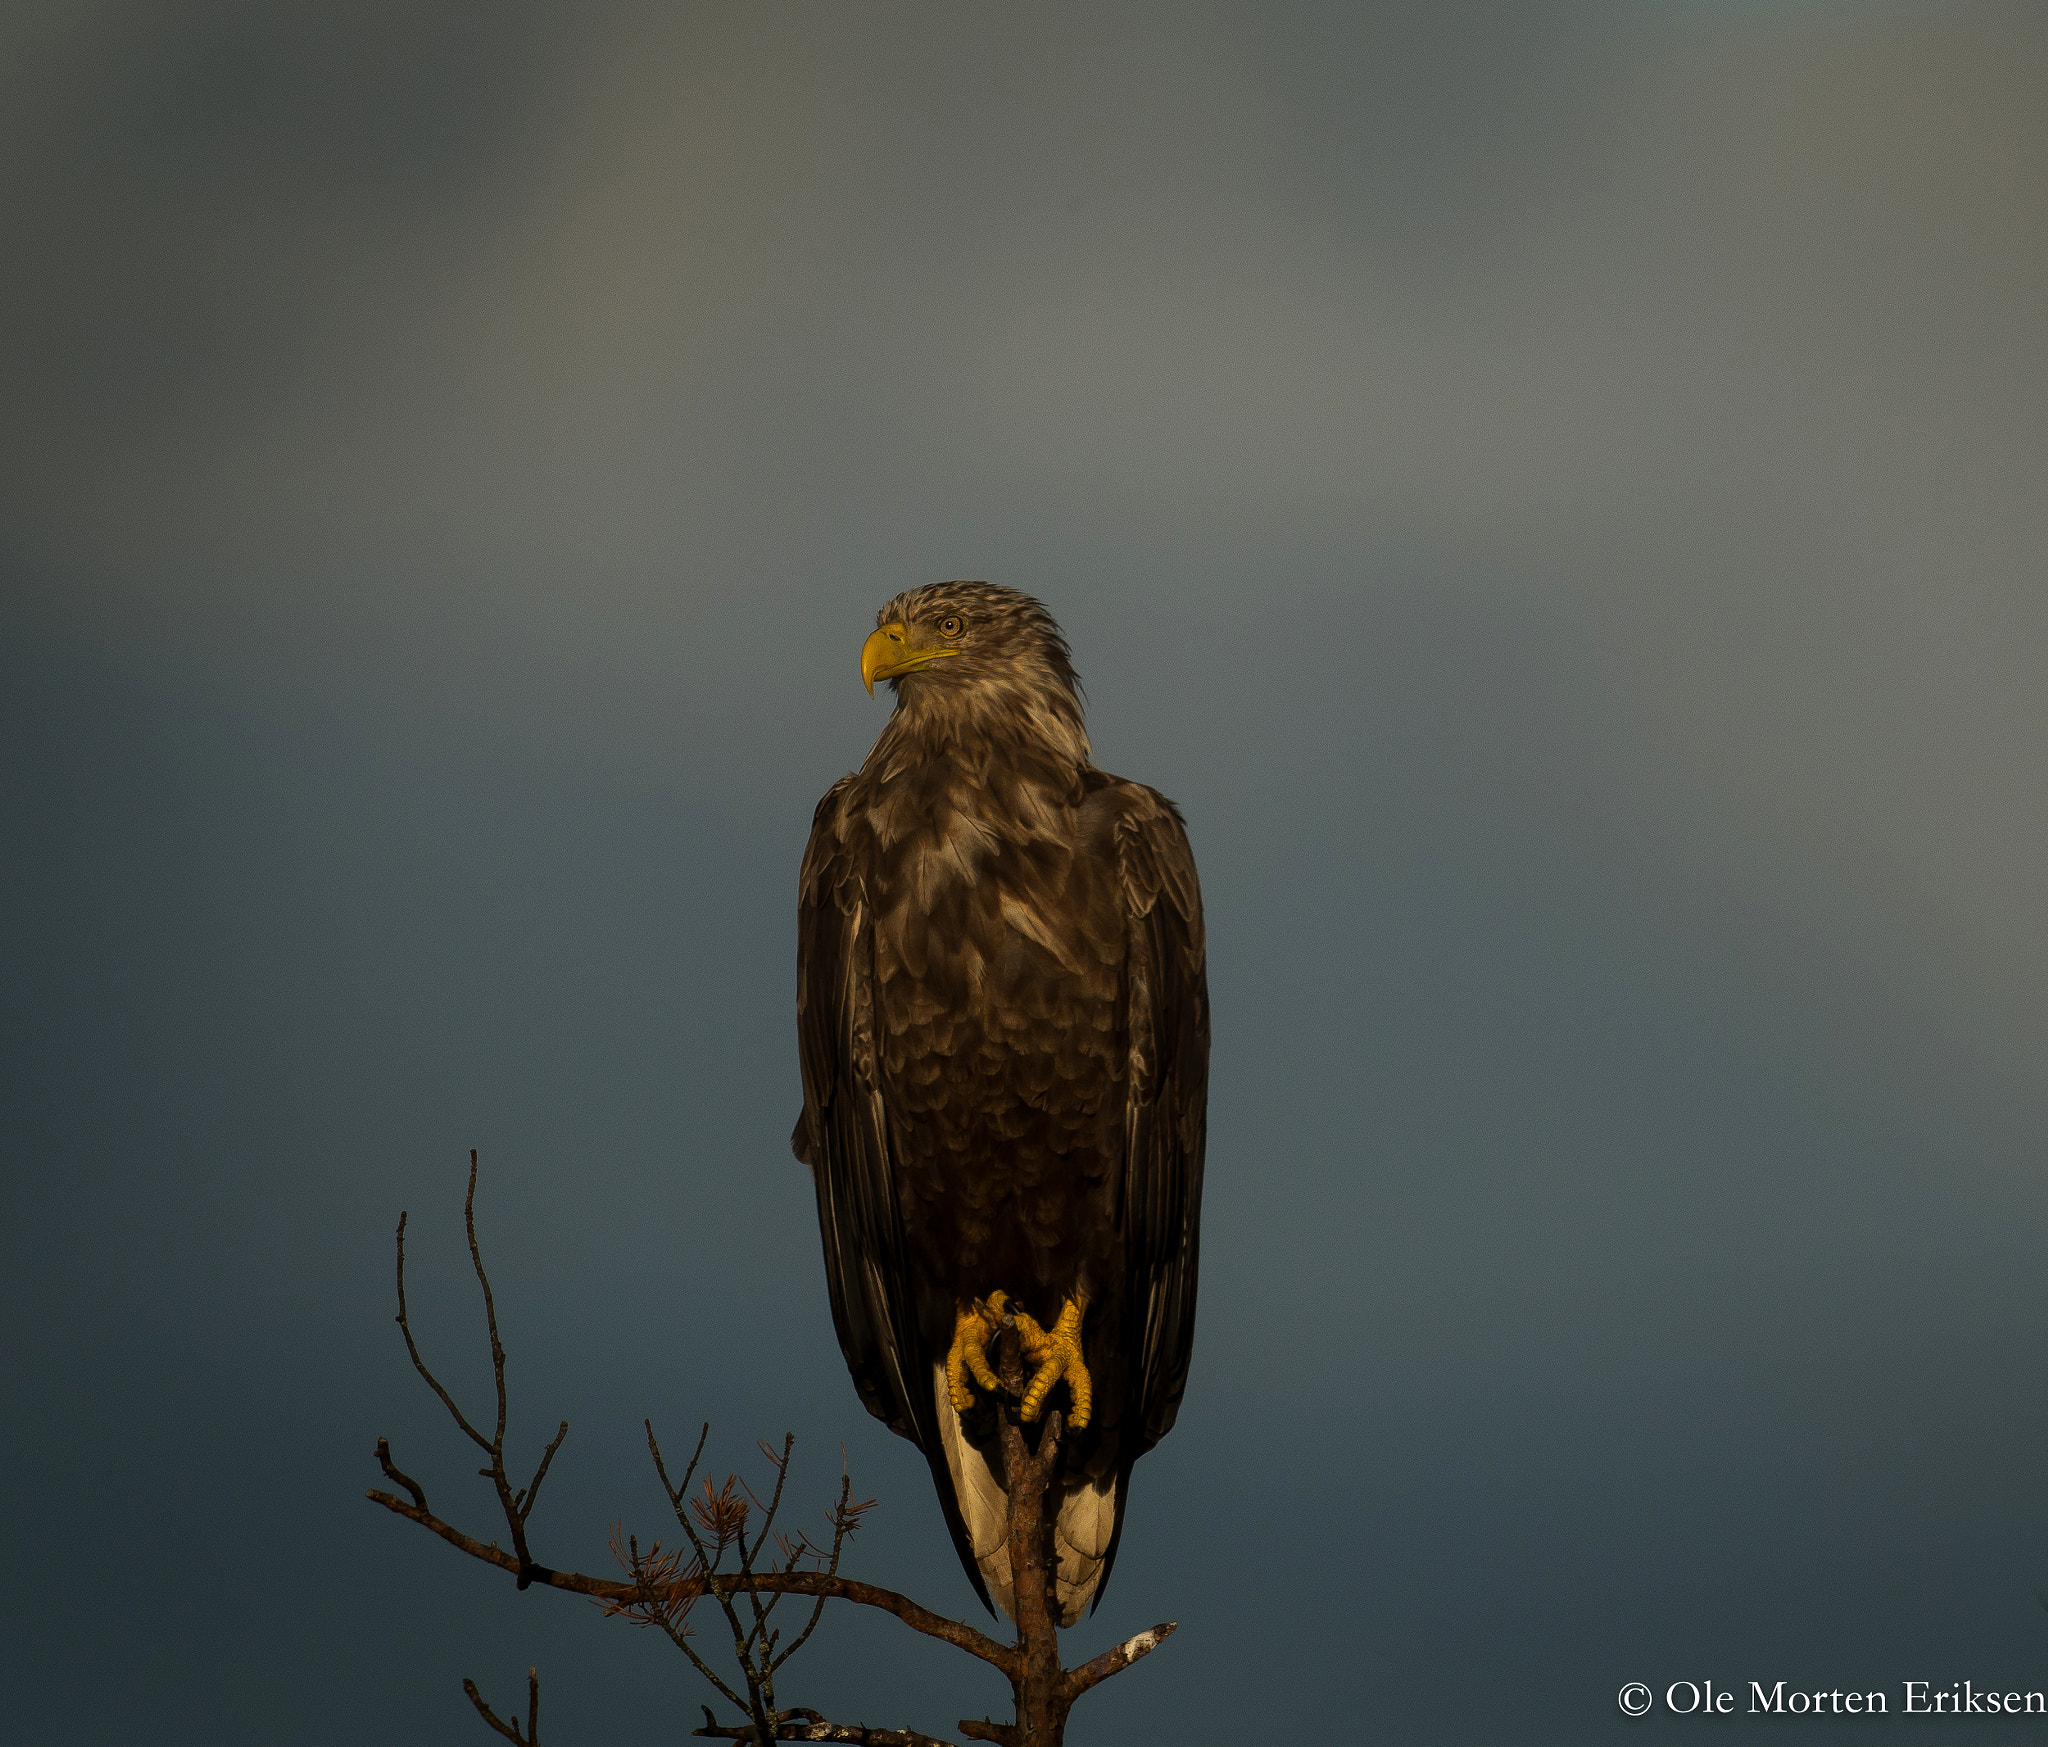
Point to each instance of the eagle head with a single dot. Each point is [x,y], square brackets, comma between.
[979,657]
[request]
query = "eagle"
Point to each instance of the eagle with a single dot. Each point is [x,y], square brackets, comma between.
[1003,1020]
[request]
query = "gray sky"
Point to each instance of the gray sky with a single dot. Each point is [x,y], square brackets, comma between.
[1556,492]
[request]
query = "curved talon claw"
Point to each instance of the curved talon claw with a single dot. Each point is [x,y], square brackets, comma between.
[973,1328]
[1057,1353]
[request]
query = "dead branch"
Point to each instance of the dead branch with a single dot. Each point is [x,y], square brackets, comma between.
[662,1586]
[918,1619]
[805,1725]
[518,1506]
[511,1730]
[723,1516]
[1117,1658]
[1030,1479]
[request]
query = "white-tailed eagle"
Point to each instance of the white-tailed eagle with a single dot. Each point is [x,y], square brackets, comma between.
[1004,1027]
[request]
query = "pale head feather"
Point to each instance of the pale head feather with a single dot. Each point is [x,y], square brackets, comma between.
[1012,682]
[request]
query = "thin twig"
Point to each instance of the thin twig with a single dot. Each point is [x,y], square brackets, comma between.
[391,1473]
[675,1495]
[761,1676]
[511,1730]
[530,1492]
[747,1558]
[517,1506]
[419,1364]
[666,1613]
[476,1258]
[845,1520]
[709,1561]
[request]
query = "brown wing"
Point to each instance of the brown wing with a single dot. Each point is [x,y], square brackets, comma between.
[1165,1120]
[843,1135]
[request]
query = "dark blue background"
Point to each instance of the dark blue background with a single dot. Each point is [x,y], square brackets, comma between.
[1556,493]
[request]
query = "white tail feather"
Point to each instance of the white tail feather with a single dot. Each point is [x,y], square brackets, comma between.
[1081,1535]
[984,1507]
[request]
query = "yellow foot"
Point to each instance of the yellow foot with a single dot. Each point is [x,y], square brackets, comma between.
[973,1328]
[1057,1353]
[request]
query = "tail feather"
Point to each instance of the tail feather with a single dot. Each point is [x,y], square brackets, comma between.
[984,1506]
[1084,1534]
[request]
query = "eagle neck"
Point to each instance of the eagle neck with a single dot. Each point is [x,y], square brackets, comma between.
[978,733]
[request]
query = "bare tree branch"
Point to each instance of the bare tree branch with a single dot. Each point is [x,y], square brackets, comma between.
[390,1473]
[517,1506]
[918,1619]
[1030,1479]
[662,1586]
[820,1730]
[671,1611]
[723,1516]
[845,1520]
[511,1730]
[1117,1658]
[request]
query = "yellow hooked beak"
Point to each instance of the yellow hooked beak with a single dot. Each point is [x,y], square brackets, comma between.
[890,652]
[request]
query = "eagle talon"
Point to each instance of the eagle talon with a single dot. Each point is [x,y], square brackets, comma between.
[976,1324]
[1057,1354]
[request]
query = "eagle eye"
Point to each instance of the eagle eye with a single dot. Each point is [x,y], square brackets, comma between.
[951,625]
